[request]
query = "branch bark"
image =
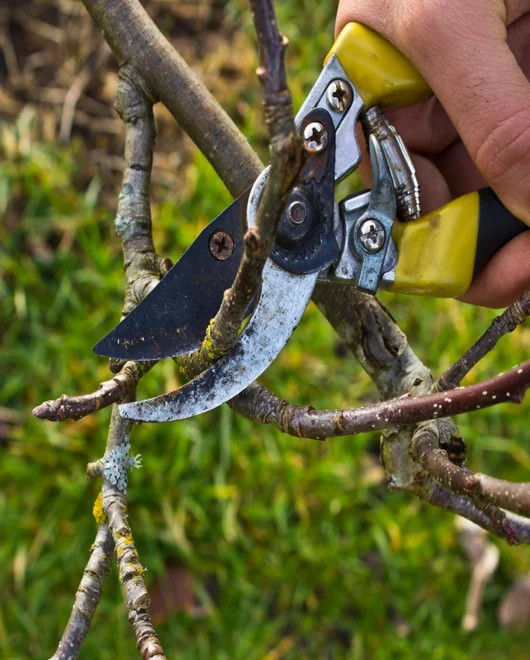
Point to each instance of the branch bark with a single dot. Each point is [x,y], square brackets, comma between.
[108,392]
[510,319]
[136,41]
[286,159]
[260,405]
[87,596]
[426,450]
[142,270]
[437,495]
[115,466]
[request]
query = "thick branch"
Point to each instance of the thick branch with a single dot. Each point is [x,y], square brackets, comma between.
[516,313]
[136,40]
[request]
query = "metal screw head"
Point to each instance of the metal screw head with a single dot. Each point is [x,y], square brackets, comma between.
[372,235]
[297,212]
[315,137]
[339,96]
[221,245]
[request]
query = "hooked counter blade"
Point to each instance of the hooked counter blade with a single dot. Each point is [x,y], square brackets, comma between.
[173,318]
[283,299]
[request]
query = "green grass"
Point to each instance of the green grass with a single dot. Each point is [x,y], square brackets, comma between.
[310,554]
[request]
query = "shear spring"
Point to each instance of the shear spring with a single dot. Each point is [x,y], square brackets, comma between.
[406,186]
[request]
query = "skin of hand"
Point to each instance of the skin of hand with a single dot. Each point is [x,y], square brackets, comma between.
[475,131]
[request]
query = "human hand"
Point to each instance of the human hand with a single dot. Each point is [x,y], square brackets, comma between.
[475,131]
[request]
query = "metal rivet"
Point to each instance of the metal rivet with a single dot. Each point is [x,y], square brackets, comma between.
[297,212]
[339,96]
[221,245]
[372,235]
[315,137]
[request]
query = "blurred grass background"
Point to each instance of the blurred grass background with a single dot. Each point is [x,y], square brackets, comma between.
[257,545]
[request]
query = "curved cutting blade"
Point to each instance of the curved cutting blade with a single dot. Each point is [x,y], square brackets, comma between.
[284,297]
[172,319]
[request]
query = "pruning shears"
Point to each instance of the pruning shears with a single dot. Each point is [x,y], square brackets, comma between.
[373,239]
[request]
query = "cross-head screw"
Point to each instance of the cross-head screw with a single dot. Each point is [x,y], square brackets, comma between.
[372,235]
[339,96]
[221,245]
[315,137]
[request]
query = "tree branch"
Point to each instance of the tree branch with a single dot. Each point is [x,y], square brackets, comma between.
[512,317]
[109,392]
[443,498]
[136,40]
[115,466]
[142,270]
[260,405]
[286,159]
[425,448]
[88,594]
[512,496]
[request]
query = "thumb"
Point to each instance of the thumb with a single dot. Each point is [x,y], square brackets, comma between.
[461,50]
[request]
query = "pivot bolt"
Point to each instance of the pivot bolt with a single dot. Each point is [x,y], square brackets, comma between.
[221,245]
[372,235]
[297,212]
[315,137]
[339,96]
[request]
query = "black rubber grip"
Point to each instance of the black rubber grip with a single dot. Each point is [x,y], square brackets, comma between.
[496,227]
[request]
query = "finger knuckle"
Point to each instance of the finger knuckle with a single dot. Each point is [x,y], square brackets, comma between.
[505,150]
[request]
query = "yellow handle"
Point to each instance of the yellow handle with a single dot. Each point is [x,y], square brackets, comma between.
[437,251]
[381,74]
[443,252]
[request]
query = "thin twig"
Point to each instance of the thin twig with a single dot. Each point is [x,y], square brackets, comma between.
[143,267]
[87,596]
[437,495]
[512,317]
[116,464]
[286,158]
[512,496]
[109,392]
[95,61]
